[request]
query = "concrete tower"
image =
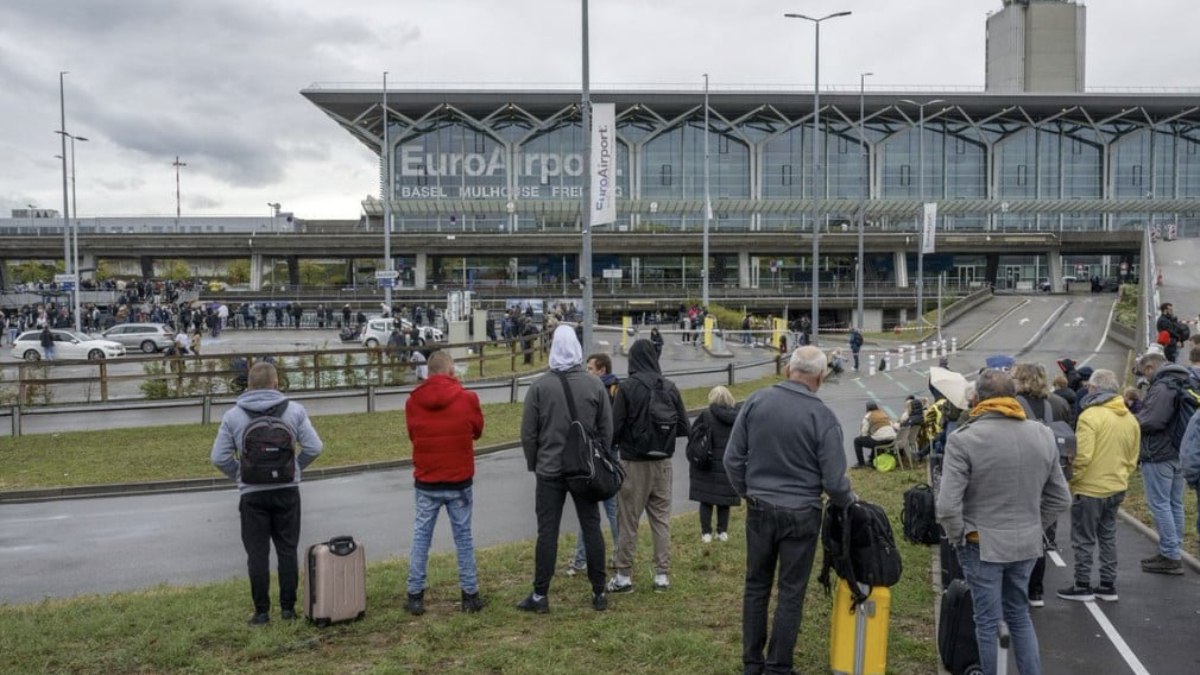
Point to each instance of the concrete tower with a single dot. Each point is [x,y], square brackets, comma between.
[1036,46]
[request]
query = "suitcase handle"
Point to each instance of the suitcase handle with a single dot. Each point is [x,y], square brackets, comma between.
[342,546]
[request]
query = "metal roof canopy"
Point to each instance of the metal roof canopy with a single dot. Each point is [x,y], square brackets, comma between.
[878,208]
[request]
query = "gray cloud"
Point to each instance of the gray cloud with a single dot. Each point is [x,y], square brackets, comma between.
[216,81]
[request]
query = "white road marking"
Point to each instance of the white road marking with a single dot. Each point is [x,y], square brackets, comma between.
[34,520]
[1023,321]
[1056,558]
[1104,337]
[1109,630]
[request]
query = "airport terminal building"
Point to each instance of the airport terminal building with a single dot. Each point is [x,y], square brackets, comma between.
[511,162]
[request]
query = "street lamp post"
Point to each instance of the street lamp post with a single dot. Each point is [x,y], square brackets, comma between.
[921,199]
[585,214]
[707,203]
[862,210]
[62,130]
[816,161]
[387,200]
[73,232]
[177,164]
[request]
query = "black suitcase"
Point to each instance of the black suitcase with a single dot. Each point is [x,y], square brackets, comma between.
[956,631]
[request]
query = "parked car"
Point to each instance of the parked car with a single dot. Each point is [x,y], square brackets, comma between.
[148,337]
[67,345]
[1045,283]
[378,331]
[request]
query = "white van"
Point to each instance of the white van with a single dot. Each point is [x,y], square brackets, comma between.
[379,330]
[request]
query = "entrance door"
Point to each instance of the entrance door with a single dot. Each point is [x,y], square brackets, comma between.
[1012,275]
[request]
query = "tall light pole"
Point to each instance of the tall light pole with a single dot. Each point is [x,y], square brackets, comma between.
[707,203]
[921,199]
[177,164]
[62,130]
[585,214]
[862,209]
[816,162]
[75,232]
[387,200]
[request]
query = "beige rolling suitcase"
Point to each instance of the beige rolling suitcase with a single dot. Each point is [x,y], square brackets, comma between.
[334,584]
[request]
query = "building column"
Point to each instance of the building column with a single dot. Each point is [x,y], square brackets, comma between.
[293,265]
[256,262]
[87,261]
[3,274]
[743,269]
[900,262]
[147,263]
[419,271]
[1054,262]
[872,320]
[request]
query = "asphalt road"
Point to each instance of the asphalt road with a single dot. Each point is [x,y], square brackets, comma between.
[1181,277]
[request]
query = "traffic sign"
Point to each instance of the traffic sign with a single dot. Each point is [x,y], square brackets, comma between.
[612,273]
[64,278]
[386,274]
[386,282]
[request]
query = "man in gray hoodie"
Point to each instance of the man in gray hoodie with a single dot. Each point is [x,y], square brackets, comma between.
[270,500]
[1161,473]
[545,425]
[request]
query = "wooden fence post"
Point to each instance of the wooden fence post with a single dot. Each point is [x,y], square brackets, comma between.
[104,380]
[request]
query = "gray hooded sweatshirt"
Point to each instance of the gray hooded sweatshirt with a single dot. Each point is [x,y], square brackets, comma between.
[228,445]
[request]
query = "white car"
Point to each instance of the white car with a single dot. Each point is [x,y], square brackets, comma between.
[378,331]
[67,345]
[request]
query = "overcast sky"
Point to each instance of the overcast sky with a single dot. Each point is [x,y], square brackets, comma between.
[216,82]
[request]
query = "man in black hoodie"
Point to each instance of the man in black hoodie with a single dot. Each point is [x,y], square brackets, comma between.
[648,415]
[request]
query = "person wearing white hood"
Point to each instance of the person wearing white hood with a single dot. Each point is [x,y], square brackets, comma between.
[545,424]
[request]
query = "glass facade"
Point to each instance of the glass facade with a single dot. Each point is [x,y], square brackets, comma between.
[530,151]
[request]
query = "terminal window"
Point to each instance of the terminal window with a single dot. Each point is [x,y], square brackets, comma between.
[666,174]
[786,175]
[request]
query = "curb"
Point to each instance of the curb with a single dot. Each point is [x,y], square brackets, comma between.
[204,484]
[1150,534]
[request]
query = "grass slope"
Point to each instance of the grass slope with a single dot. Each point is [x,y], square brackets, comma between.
[693,628]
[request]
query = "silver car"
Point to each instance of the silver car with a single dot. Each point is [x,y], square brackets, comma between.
[148,337]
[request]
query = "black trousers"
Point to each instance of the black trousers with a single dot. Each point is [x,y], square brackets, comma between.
[549,498]
[706,511]
[783,539]
[1038,575]
[271,516]
[861,442]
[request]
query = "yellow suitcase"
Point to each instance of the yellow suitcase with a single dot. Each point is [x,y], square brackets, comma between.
[858,639]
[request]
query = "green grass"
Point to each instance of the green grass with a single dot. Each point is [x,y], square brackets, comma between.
[1135,504]
[1126,309]
[694,628]
[166,453]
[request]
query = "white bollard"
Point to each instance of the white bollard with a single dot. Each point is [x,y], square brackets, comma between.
[912,354]
[954,345]
[945,346]
[871,364]
[924,351]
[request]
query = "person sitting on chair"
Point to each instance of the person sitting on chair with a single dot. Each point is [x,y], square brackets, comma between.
[876,430]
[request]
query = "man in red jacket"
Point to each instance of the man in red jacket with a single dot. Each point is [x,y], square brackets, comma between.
[444,421]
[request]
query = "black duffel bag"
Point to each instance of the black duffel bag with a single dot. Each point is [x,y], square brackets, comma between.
[589,468]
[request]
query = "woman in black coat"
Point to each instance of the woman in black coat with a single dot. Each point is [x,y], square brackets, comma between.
[706,453]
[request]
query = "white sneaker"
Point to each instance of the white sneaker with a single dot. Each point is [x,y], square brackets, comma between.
[723,536]
[706,538]
[661,582]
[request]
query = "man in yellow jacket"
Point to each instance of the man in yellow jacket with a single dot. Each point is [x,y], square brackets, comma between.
[1108,439]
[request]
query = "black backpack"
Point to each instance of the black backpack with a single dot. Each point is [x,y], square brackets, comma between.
[1187,401]
[860,548]
[1064,435]
[919,517]
[268,448]
[655,429]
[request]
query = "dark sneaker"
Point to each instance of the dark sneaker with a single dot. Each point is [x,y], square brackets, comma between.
[471,602]
[1106,593]
[1164,566]
[260,619]
[599,602]
[1076,593]
[1036,600]
[529,604]
[415,604]
[288,615]
[619,585]
[1156,558]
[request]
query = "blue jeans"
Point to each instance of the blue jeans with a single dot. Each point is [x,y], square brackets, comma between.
[458,508]
[1000,591]
[610,510]
[1164,498]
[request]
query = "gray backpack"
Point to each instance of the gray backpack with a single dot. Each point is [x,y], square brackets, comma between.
[1064,435]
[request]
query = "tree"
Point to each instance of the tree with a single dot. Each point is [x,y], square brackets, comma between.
[32,271]
[313,273]
[104,270]
[238,271]
[176,270]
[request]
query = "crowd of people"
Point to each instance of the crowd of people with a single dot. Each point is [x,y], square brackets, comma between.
[782,454]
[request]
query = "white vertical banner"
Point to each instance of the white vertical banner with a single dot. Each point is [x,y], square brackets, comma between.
[929,229]
[604,163]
